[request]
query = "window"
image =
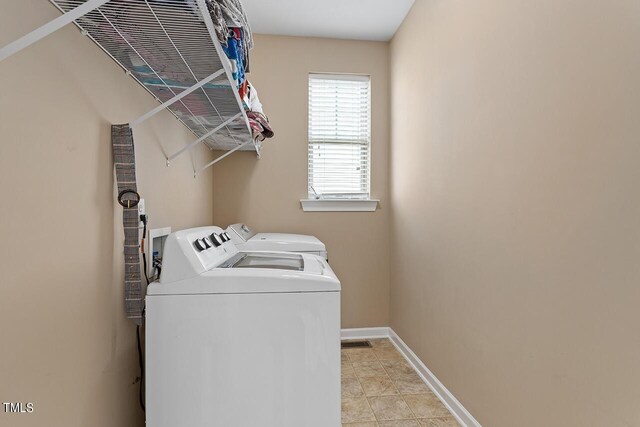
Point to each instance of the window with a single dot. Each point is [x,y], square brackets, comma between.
[339,136]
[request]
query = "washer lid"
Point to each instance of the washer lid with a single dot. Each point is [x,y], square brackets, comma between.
[259,273]
[283,242]
[270,260]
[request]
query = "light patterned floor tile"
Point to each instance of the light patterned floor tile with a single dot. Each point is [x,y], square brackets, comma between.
[371,424]
[356,410]
[410,384]
[426,405]
[397,368]
[378,386]
[400,423]
[351,388]
[388,353]
[390,408]
[361,355]
[402,362]
[439,422]
[369,369]
[394,391]
[347,371]
[381,342]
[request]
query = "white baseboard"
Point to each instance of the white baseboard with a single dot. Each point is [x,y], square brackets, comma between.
[453,405]
[364,333]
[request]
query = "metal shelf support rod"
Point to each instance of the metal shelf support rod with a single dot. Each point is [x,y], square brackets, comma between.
[176,98]
[222,157]
[202,138]
[48,28]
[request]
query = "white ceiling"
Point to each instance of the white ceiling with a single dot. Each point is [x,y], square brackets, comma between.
[342,19]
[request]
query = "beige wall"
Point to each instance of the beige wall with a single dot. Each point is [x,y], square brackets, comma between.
[515,172]
[66,343]
[513,231]
[266,193]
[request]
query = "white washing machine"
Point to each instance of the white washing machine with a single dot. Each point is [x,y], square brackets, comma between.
[247,240]
[241,339]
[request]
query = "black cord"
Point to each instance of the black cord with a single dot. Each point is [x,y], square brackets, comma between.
[144,265]
[143,218]
[157,266]
[141,391]
[141,363]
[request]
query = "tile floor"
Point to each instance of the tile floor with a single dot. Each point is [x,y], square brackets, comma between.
[380,389]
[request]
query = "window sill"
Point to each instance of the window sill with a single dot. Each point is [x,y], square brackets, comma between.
[339,205]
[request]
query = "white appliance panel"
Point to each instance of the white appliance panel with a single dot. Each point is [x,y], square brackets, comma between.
[243,360]
[240,233]
[182,260]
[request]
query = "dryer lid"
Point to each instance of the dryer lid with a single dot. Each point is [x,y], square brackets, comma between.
[283,242]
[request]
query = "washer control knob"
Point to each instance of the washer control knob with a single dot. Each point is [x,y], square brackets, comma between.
[199,244]
[207,242]
[225,237]
[217,241]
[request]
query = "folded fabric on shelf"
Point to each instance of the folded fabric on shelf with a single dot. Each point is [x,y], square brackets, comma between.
[243,90]
[219,23]
[250,99]
[227,14]
[233,50]
[260,126]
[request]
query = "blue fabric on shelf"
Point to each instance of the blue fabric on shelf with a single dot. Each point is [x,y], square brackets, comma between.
[235,53]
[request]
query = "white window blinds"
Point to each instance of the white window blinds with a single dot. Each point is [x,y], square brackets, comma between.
[339,136]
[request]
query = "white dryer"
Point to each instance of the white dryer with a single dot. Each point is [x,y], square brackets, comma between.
[241,339]
[247,240]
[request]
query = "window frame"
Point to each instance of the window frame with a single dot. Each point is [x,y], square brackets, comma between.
[332,201]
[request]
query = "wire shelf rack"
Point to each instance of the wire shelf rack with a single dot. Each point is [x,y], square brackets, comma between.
[170,48]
